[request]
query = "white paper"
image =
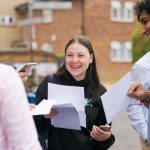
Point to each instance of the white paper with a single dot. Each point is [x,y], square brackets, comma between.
[68,117]
[63,93]
[116,99]
[69,94]
[69,102]
[43,107]
[82,117]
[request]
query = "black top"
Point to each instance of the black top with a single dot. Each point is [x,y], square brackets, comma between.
[67,139]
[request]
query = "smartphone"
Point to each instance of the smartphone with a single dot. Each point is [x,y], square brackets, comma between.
[28,67]
[105,127]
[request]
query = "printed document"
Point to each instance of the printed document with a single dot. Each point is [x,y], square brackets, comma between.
[69,94]
[68,116]
[69,101]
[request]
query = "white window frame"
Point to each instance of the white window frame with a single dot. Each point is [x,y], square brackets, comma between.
[5,20]
[47,15]
[115,5]
[121,51]
[127,8]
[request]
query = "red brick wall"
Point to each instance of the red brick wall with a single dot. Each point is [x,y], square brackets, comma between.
[101,30]
[66,23]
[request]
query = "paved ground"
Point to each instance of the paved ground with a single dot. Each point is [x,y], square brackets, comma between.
[126,137]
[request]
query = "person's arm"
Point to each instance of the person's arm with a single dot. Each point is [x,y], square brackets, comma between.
[23,74]
[137,112]
[137,91]
[140,75]
[16,119]
[138,118]
[100,134]
[103,140]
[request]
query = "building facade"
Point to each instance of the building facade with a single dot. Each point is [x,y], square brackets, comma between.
[108,24]
[8,24]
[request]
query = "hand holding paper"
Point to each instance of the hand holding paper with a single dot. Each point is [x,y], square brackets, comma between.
[43,108]
[69,94]
[52,113]
[67,115]
[69,104]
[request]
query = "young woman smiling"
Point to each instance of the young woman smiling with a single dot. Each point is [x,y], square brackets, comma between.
[79,69]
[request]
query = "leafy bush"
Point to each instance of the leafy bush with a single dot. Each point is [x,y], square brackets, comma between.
[140,45]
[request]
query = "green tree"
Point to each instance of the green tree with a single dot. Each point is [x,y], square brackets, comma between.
[140,45]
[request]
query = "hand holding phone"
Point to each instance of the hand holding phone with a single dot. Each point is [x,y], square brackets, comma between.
[105,127]
[28,67]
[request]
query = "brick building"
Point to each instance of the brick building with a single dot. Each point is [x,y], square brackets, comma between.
[108,24]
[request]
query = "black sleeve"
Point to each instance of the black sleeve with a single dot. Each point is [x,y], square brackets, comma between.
[42,124]
[41,92]
[105,144]
[101,120]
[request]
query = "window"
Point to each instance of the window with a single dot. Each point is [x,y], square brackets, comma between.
[7,20]
[121,11]
[121,51]
[47,16]
[47,47]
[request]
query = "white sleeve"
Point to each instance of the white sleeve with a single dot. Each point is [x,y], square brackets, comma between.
[137,118]
[137,114]
[16,120]
[142,74]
